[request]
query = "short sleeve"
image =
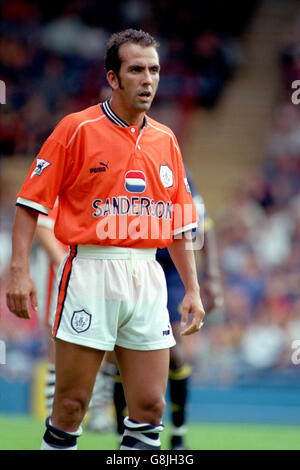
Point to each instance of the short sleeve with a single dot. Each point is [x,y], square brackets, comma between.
[49,172]
[48,221]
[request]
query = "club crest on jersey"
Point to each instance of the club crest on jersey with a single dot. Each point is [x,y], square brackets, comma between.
[166,176]
[81,321]
[135,181]
[40,166]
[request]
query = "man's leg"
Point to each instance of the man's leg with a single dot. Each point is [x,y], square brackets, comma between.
[76,368]
[145,376]
[49,385]
[179,376]
[101,416]
[120,404]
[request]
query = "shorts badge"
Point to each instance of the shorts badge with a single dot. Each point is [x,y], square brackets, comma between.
[81,321]
[166,176]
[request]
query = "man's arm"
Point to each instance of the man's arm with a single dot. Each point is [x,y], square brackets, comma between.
[212,282]
[51,245]
[20,286]
[184,261]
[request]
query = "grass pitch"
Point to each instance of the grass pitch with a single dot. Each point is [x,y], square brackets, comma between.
[25,432]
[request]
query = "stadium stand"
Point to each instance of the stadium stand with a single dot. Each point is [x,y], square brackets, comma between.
[51,62]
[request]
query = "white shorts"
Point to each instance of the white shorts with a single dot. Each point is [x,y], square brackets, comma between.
[113,296]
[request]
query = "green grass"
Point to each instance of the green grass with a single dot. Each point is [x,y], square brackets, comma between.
[25,433]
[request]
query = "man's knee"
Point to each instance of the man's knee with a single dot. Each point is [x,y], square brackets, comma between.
[69,410]
[72,406]
[153,409]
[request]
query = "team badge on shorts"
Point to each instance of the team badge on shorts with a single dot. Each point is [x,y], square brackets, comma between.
[40,166]
[166,176]
[81,321]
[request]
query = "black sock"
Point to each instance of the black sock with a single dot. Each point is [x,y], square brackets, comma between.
[140,436]
[56,439]
[178,380]
[120,404]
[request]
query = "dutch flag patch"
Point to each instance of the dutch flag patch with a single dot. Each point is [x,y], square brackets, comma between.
[135,181]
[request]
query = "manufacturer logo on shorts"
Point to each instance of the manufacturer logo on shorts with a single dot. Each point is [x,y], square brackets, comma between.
[81,321]
[166,332]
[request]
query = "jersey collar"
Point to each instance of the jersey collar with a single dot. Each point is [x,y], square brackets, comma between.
[106,108]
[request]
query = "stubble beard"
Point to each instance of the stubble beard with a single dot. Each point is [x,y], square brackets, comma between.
[139,106]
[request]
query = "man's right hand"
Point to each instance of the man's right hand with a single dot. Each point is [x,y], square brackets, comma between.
[20,292]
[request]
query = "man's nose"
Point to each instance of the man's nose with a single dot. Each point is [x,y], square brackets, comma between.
[147,77]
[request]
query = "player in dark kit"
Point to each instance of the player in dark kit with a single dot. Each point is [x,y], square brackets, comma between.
[180,369]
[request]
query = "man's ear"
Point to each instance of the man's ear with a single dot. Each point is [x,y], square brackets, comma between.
[112,79]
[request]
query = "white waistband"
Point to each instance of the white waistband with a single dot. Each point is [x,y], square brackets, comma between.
[114,252]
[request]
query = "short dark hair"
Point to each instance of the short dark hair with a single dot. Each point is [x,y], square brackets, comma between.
[132,36]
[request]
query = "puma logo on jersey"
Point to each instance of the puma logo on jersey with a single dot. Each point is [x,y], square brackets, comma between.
[103,167]
[40,167]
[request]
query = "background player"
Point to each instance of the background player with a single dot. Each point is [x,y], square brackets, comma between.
[180,369]
[49,254]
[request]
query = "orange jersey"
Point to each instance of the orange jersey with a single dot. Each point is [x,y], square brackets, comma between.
[116,186]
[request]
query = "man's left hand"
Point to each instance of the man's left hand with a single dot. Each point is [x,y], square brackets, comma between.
[192,304]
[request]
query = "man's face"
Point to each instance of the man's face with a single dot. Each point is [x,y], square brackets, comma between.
[138,76]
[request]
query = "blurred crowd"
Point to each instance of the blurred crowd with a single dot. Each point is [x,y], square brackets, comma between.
[52,57]
[52,64]
[51,60]
[258,232]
